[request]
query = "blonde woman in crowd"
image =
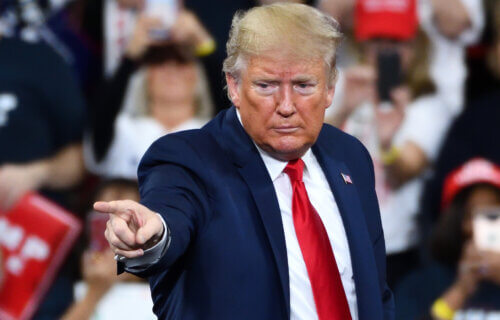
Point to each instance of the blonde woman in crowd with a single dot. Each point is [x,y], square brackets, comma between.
[169,94]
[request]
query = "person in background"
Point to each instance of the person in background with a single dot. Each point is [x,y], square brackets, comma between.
[170,93]
[102,294]
[473,134]
[41,126]
[451,25]
[109,25]
[392,130]
[463,281]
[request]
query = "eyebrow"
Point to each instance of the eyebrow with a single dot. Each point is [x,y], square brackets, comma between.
[271,79]
[304,78]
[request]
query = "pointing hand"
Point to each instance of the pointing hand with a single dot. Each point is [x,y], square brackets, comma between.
[131,228]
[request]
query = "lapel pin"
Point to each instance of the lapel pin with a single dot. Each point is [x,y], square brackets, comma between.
[347,178]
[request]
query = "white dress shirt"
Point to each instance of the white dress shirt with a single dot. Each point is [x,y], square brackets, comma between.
[301,297]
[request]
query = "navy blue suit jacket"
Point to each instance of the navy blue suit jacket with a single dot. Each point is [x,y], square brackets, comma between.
[227,258]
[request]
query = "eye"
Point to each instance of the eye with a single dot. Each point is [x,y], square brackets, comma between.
[305,87]
[265,88]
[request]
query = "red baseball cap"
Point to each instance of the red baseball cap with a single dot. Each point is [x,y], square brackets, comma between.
[394,19]
[477,170]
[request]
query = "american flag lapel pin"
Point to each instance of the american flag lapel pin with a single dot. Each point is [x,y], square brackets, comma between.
[347,178]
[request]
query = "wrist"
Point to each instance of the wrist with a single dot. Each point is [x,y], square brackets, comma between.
[441,310]
[389,154]
[39,173]
[205,47]
[456,296]
[97,290]
[155,239]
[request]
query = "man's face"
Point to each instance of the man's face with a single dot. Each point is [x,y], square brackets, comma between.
[282,102]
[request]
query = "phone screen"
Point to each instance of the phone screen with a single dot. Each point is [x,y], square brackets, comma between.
[167,11]
[486,228]
[389,73]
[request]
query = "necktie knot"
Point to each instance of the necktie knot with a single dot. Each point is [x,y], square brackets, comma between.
[294,169]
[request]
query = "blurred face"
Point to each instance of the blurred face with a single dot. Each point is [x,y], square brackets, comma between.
[113,192]
[172,82]
[282,102]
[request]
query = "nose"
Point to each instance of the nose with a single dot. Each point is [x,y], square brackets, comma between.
[285,103]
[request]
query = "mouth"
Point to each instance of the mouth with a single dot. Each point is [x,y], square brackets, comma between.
[286,129]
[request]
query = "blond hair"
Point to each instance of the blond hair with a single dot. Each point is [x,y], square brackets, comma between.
[293,28]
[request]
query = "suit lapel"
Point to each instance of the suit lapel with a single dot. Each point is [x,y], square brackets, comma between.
[360,246]
[261,187]
[251,167]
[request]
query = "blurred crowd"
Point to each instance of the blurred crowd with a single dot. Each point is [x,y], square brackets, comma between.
[87,85]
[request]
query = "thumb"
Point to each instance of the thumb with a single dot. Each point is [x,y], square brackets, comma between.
[152,228]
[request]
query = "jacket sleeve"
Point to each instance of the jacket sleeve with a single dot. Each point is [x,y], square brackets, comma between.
[170,184]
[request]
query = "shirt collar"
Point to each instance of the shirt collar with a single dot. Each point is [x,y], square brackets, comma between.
[274,166]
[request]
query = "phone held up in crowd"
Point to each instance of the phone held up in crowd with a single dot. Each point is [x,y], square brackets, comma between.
[486,228]
[167,11]
[388,75]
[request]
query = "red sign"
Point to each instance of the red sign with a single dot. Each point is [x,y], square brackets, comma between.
[35,237]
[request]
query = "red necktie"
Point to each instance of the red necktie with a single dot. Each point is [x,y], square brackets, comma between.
[328,292]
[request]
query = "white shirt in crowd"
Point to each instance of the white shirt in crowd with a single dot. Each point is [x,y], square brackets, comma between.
[125,301]
[448,67]
[302,305]
[426,121]
[132,137]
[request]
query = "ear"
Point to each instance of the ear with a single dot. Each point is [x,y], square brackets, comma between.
[233,89]
[329,95]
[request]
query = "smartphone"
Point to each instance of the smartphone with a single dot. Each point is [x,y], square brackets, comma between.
[96,225]
[389,73]
[167,11]
[486,229]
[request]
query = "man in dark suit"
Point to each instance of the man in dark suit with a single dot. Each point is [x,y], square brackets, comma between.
[265,213]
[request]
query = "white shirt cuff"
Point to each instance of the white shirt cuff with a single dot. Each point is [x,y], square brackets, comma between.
[151,255]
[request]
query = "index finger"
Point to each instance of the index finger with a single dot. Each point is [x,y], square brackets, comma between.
[125,209]
[104,207]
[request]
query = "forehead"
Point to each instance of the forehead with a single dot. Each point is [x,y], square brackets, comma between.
[284,66]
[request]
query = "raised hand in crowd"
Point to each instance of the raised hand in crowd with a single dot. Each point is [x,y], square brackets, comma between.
[131,228]
[60,171]
[141,38]
[359,87]
[187,29]
[390,118]
[490,266]
[451,17]
[407,161]
[99,273]
[470,273]
[342,10]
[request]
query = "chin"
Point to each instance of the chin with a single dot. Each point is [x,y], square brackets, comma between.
[288,150]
